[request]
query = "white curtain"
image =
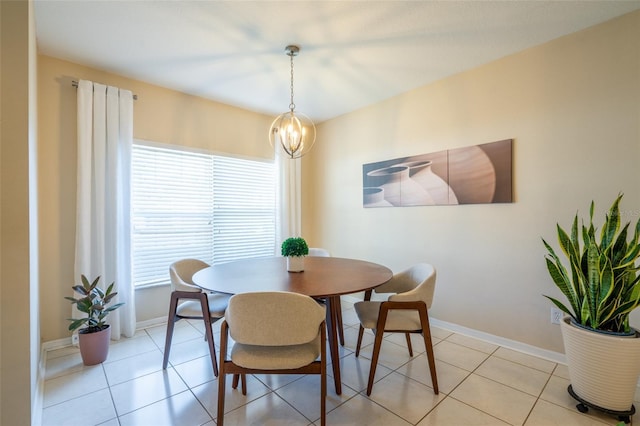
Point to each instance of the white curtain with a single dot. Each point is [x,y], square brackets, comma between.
[289,223]
[103,224]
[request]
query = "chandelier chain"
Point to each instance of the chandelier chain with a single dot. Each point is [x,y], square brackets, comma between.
[292,106]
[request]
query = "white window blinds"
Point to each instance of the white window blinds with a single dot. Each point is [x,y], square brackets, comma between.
[193,205]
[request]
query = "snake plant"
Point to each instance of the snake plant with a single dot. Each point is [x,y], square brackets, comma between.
[601,284]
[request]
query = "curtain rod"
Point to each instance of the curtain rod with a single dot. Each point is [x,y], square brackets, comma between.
[74,83]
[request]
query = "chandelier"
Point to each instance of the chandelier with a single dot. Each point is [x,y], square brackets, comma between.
[292,132]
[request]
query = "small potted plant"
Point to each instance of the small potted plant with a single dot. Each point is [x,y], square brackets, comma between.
[94,337]
[295,249]
[602,287]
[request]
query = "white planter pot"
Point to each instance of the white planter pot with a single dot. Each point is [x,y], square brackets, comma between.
[295,263]
[603,368]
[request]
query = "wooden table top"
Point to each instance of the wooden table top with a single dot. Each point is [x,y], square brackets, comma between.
[322,276]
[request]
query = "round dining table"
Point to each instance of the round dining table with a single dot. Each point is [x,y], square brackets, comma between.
[323,278]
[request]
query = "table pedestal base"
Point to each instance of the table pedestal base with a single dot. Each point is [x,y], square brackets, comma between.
[332,336]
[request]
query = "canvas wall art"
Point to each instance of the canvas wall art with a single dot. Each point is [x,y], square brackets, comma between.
[471,175]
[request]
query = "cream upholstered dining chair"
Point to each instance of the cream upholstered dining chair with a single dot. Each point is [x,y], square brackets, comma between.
[320,252]
[405,311]
[188,301]
[274,333]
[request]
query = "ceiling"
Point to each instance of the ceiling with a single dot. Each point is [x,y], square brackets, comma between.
[353,53]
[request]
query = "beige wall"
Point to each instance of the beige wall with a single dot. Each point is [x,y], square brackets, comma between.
[19,338]
[572,107]
[160,115]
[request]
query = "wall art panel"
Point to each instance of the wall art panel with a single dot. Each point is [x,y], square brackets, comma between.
[471,175]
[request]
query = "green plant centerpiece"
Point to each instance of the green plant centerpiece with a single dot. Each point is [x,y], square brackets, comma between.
[602,287]
[295,246]
[294,249]
[94,337]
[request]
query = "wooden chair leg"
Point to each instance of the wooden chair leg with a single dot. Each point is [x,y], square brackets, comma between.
[426,334]
[323,375]
[236,380]
[379,331]
[204,302]
[408,337]
[374,358]
[360,333]
[339,321]
[171,320]
[222,375]
[367,297]
[221,391]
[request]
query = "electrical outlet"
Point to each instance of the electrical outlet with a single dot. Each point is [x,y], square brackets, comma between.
[74,339]
[556,315]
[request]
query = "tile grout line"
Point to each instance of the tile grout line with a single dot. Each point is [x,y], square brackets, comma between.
[449,395]
[495,354]
[538,397]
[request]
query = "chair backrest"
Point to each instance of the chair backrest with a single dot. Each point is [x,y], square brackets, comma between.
[415,283]
[319,252]
[181,273]
[273,318]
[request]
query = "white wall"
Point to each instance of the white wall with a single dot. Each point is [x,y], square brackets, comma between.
[571,106]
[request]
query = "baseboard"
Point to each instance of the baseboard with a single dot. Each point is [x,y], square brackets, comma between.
[552,356]
[497,340]
[38,400]
[501,341]
[67,341]
[480,335]
[151,323]
[56,344]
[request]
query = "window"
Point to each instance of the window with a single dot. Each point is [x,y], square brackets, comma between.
[193,205]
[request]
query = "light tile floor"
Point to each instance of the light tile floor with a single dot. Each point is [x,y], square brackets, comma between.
[480,384]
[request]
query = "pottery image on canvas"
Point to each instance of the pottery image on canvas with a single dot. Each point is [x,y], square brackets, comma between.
[478,174]
[400,189]
[374,197]
[439,191]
